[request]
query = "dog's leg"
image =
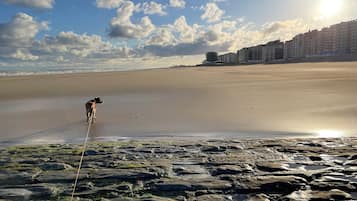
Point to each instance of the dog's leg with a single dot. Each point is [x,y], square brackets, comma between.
[94,116]
[86,112]
[88,117]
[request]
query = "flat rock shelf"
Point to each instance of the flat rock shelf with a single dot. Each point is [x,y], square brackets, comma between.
[207,170]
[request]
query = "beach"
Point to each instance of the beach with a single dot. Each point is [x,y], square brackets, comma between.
[307,99]
[255,133]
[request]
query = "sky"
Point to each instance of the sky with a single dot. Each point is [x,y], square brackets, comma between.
[154,33]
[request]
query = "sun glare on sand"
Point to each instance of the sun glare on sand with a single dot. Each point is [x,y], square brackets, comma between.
[329,133]
[330,8]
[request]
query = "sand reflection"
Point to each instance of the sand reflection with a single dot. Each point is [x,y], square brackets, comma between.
[330,133]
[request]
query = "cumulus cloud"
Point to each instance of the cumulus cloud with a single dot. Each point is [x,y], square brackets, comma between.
[191,40]
[153,8]
[31,3]
[186,32]
[200,46]
[18,34]
[69,48]
[122,26]
[163,36]
[18,43]
[285,29]
[212,13]
[109,4]
[148,8]
[178,3]
[71,44]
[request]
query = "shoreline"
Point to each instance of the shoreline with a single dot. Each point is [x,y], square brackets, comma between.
[58,73]
[35,140]
[210,169]
[54,73]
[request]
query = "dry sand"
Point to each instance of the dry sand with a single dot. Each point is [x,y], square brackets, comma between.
[265,99]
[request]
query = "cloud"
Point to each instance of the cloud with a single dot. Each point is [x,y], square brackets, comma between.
[197,47]
[186,32]
[17,35]
[43,4]
[121,25]
[191,40]
[19,44]
[178,3]
[71,49]
[148,8]
[212,13]
[163,36]
[109,4]
[24,55]
[285,29]
[153,8]
[70,44]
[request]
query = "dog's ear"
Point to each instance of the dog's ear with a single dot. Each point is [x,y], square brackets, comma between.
[98,100]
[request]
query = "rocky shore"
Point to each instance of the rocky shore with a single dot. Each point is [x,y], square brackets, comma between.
[207,170]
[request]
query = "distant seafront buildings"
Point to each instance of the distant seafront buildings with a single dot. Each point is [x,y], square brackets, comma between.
[335,43]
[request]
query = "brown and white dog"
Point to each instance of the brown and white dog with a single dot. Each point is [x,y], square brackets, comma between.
[91,108]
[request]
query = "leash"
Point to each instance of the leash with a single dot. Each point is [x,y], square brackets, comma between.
[81,160]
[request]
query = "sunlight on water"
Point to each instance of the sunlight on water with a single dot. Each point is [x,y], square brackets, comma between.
[330,133]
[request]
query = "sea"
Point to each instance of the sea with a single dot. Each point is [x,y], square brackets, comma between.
[45,70]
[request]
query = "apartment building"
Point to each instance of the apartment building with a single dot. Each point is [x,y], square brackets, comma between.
[354,37]
[255,54]
[243,55]
[273,51]
[311,43]
[342,38]
[334,41]
[229,58]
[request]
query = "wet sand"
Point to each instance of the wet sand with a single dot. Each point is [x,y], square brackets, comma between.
[252,101]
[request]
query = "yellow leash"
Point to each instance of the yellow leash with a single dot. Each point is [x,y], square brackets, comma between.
[81,160]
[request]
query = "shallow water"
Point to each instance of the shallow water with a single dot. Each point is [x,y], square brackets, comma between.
[136,115]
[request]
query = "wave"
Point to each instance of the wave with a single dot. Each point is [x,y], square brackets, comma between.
[65,71]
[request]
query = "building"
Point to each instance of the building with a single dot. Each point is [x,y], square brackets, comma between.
[354,37]
[289,50]
[294,49]
[342,38]
[243,56]
[255,54]
[311,47]
[211,57]
[337,42]
[229,58]
[273,51]
[326,42]
[299,46]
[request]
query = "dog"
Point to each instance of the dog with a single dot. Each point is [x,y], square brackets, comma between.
[91,108]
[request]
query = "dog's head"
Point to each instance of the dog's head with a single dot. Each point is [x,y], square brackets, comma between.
[98,100]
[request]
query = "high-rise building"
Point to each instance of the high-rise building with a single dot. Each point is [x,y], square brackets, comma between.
[310,43]
[243,56]
[334,41]
[354,37]
[255,54]
[273,51]
[342,38]
[289,50]
[325,42]
[211,56]
[229,58]
[298,46]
